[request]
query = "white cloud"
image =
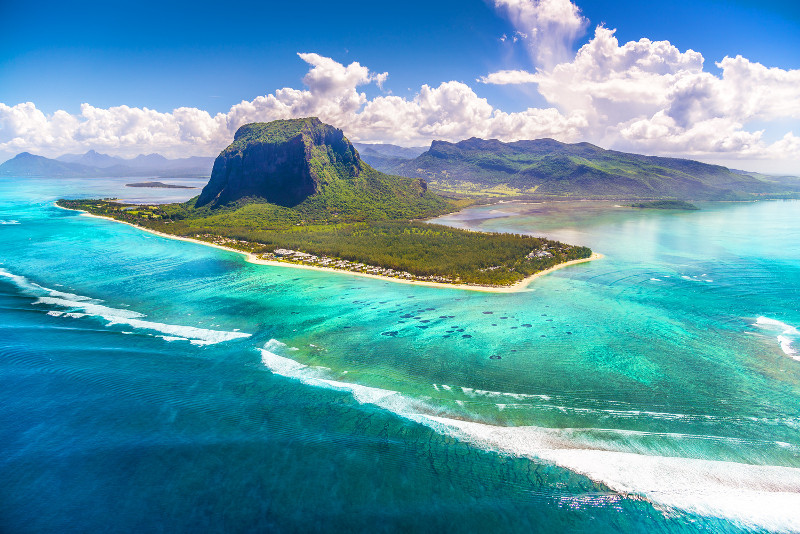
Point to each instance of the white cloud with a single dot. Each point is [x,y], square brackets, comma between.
[642,96]
[649,96]
[548,27]
[612,83]
[509,77]
[451,111]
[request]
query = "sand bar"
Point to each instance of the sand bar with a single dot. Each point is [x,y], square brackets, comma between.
[522,285]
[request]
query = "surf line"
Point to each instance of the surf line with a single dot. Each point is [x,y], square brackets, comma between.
[78,306]
[756,496]
[522,285]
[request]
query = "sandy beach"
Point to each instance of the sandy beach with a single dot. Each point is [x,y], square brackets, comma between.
[522,285]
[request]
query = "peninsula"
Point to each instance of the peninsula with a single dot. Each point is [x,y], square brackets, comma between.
[297,192]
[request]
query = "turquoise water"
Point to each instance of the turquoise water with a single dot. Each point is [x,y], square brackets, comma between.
[154,384]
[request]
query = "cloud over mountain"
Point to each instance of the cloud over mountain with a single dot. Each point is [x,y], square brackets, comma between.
[451,110]
[650,96]
[646,96]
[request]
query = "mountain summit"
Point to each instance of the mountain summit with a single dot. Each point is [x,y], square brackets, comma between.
[547,168]
[312,167]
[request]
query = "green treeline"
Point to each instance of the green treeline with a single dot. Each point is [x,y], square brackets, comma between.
[415,247]
[666,205]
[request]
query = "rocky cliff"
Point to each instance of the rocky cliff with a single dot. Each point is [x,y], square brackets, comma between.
[312,167]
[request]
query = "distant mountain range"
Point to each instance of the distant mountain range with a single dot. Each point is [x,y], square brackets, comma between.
[384,155]
[545,168]
[541,168]
[94,164]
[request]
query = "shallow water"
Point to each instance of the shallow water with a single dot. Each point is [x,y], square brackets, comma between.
[157,384]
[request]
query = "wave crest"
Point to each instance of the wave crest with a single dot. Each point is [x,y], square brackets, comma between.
[77,306]
[758,496]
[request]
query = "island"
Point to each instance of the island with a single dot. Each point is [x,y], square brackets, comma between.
[296,192]
[666,205]
[159,185]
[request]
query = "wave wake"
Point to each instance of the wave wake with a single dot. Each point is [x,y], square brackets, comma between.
[787,335]
[755,496]
[77,306]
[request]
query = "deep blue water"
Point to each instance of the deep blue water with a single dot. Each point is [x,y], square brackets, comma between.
[156,385]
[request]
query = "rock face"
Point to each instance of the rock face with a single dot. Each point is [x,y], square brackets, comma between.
[283,162]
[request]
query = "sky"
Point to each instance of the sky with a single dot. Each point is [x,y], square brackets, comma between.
[712,80]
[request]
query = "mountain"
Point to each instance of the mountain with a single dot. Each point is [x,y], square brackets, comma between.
[93,164]
[381,155]
[27,164]
[312,168]
[92,159]
[551,169]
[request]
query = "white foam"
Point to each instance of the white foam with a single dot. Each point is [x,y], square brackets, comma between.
[752,495]
[9,221]
[78,306]
[786,345]
[763,497]
[787,329]
[787,334]
[173,338]
[472,392]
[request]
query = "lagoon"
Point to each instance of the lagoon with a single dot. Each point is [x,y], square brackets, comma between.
[155,384]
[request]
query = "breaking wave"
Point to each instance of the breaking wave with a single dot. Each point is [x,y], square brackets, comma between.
[757,496]
[77,306]
[787,335]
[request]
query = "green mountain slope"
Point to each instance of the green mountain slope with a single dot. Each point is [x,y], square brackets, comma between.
[311,169]
[548,168]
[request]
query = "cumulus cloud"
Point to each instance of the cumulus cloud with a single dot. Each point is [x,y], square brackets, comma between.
[548,27]
[451,111]
[509,77]
[642,96]
[650,96]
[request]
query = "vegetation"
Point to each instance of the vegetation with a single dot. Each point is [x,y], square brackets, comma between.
[666,205]
[546,168]
[421,251]
[297,190]
[311,167]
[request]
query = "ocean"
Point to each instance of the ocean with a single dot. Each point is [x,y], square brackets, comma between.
[149,384]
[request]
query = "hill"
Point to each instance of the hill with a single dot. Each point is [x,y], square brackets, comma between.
[546,168]
[94,164]
[382,155]
[313,169]
[27,164]
[91,159]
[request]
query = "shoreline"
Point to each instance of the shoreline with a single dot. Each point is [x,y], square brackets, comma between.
[250,257]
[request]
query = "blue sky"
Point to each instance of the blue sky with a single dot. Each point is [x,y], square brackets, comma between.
[211,56]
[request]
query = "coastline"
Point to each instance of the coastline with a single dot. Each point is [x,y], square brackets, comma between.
[522,285]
